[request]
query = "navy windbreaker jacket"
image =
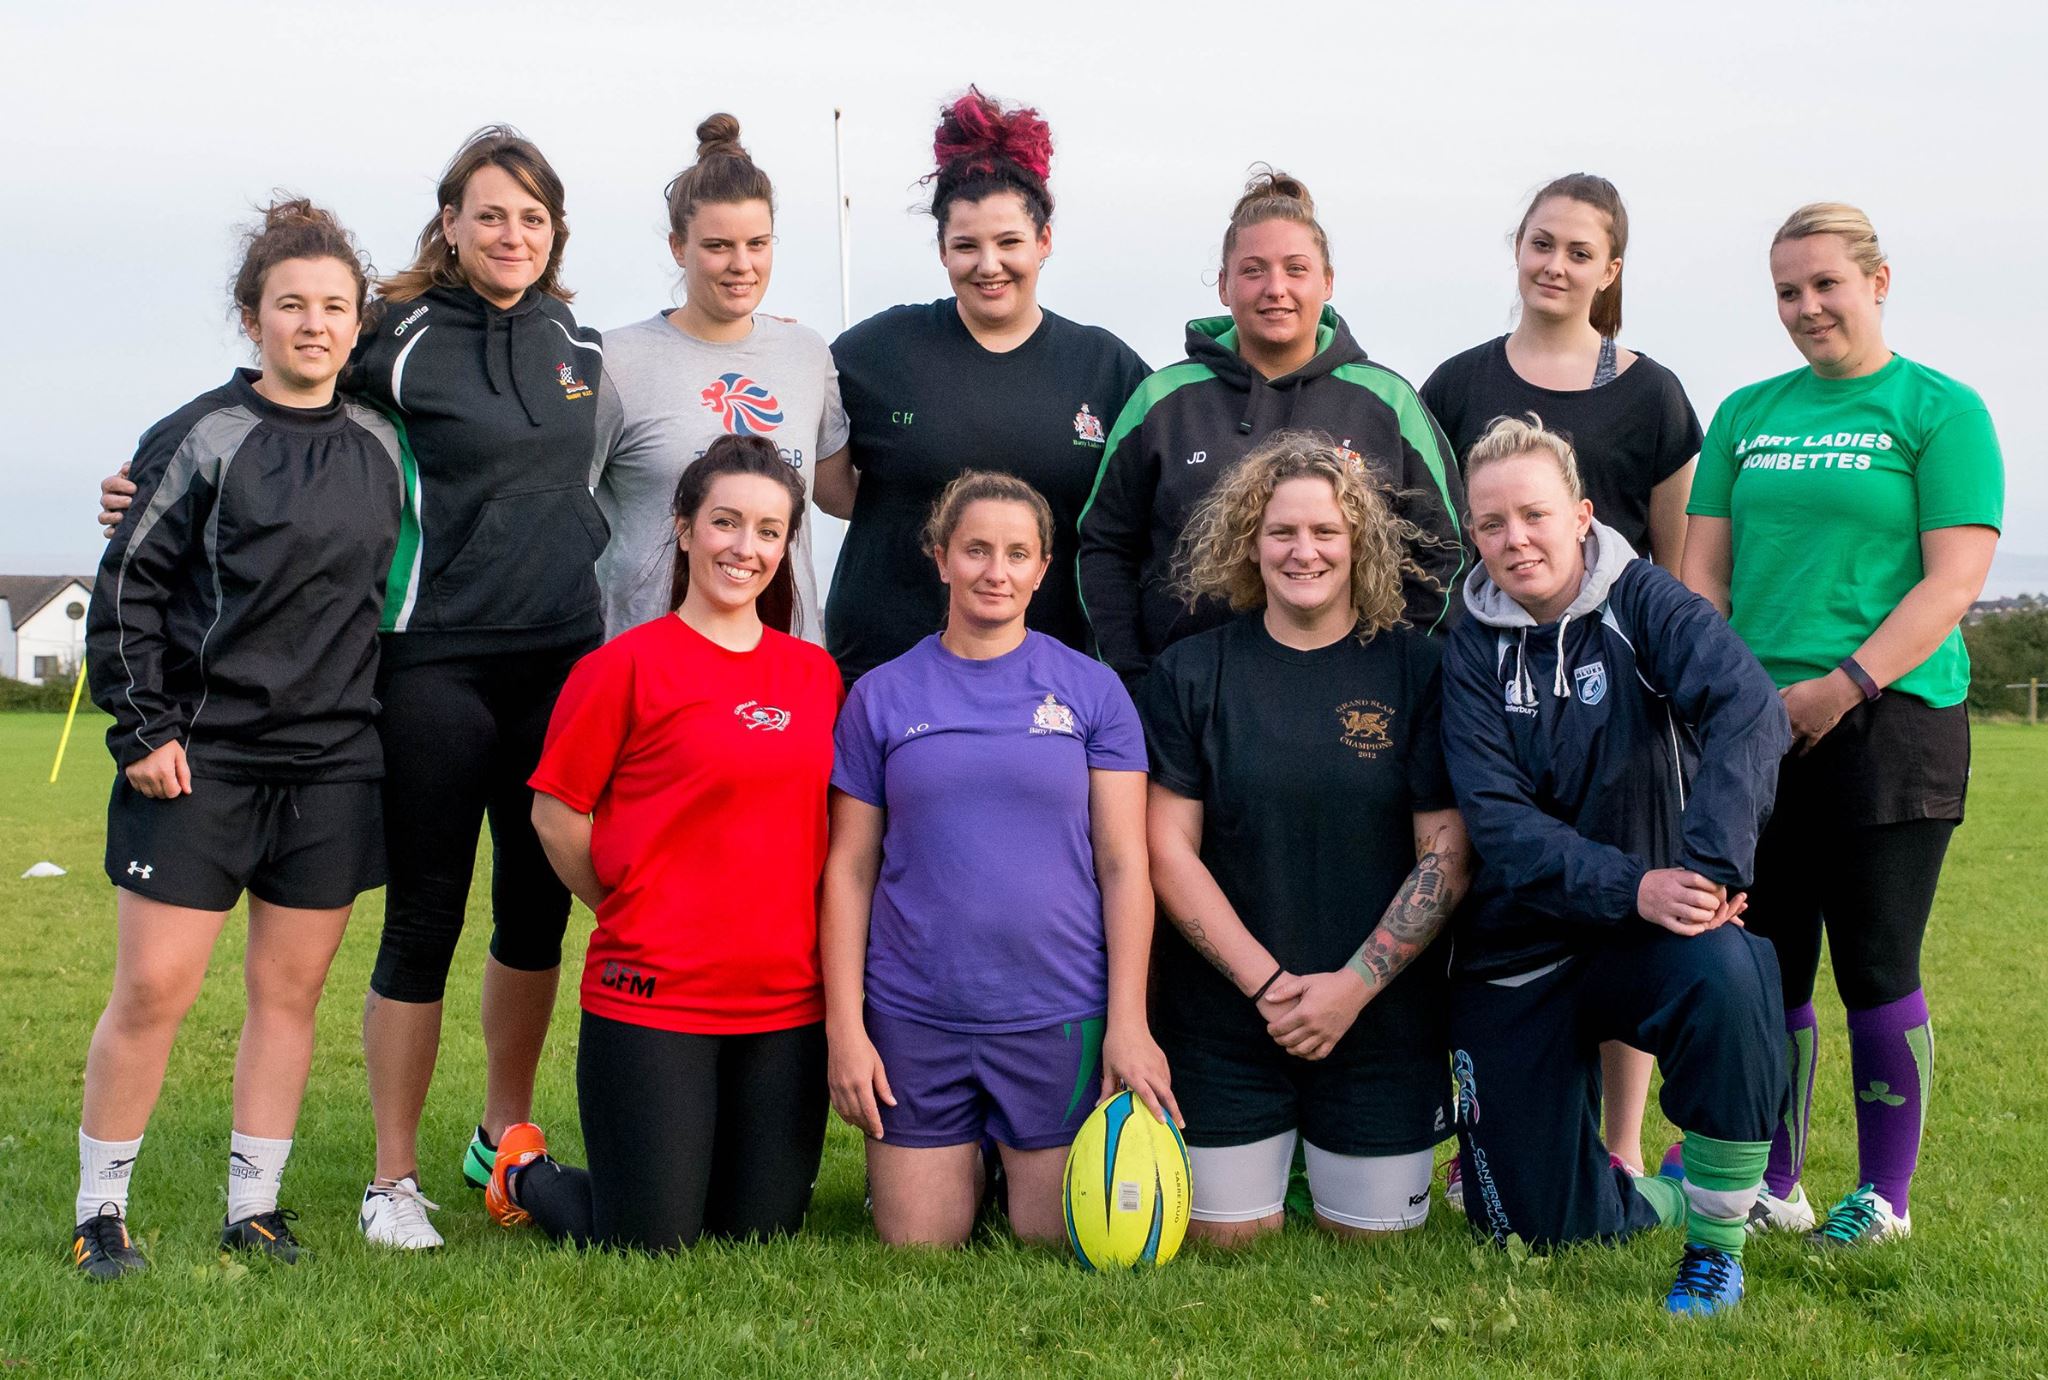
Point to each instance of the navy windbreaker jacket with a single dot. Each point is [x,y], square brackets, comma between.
[1650,740]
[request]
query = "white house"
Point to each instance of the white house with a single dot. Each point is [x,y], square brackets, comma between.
[42,625]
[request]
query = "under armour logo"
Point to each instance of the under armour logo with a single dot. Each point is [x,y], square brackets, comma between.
[142,870]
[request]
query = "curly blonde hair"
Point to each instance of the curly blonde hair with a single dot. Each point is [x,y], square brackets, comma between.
[1218,555]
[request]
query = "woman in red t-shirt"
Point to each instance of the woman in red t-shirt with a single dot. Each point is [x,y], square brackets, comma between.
[688,748]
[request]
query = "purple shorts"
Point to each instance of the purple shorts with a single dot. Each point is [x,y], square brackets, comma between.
[1029,1089]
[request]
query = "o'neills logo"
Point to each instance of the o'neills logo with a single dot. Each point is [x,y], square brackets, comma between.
[402,327]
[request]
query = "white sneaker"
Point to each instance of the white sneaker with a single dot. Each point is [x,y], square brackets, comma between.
[396,1216]
[1862,1218]
[1772,1213]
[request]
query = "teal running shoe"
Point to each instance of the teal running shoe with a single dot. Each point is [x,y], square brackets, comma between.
[478,1160]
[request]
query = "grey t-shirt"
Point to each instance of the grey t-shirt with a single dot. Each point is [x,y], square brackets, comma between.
[664,398]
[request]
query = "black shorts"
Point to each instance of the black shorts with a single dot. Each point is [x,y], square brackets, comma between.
[309,845]
[1890,760]
[1357,1101]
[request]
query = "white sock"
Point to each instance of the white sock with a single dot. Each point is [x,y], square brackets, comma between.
[255,1170]
[104,1167]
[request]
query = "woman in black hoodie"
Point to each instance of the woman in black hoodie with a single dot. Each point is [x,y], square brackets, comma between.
[1282,359]
[490,601]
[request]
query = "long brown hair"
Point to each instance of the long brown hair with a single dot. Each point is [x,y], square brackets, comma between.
[1602,196]
[742,455]
[434,263]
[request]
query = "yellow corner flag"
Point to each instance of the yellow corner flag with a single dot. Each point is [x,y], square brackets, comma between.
[70,715]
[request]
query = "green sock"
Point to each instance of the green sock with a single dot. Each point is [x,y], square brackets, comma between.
[1667,1198]
[1721,1180]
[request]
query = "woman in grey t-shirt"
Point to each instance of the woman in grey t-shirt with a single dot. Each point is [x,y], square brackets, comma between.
[677,381]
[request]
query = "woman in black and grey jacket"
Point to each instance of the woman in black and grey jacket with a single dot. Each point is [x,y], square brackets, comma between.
[491,599]
[233,637]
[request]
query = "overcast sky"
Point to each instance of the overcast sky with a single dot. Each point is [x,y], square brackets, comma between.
[141,134]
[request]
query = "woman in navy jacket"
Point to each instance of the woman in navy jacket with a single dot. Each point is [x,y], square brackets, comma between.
[1613,747]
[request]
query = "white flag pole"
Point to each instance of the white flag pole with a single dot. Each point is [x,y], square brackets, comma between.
[845,219]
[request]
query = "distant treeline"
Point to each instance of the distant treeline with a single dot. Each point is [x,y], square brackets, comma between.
[52,696]
[2006,649]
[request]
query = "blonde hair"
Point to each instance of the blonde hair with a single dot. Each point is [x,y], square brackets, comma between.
[1274,195]
[1219,552]
[1859,236]
[1507,437]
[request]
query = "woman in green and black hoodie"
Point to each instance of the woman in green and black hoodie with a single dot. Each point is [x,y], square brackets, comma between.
[492,598]
[1281,360]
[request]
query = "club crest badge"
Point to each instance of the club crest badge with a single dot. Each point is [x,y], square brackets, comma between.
[1087,428]
[1592,682]
[757,715]
[1052,717]
[573,388]
[1366,727]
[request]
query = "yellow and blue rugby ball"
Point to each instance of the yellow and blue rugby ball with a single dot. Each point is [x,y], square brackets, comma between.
[1127,1187]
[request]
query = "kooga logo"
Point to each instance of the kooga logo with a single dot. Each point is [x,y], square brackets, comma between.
[629,981]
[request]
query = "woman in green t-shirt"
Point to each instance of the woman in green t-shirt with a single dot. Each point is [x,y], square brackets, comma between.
[1843,517]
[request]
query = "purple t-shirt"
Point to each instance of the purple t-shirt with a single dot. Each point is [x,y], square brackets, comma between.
[986,914]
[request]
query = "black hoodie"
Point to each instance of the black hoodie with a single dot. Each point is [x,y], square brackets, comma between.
[498,412]
[1188,424]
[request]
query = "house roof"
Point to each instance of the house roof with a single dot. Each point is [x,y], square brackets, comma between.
[27,594]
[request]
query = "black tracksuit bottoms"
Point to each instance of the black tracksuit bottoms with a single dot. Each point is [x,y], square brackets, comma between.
[687,1135]
[1527,1062]
[461,737]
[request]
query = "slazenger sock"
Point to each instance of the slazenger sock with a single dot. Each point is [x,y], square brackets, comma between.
[1788,1138]
[1721,1181]
[104,1168]
[1891,1059]
[255,1170]
[1666,1197]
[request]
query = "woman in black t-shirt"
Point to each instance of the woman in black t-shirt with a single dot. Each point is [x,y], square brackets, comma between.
[1293,749]
[986,379]
[1625,414]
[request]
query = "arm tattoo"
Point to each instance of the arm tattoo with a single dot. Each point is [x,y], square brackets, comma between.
[1199,938]
[1415,916]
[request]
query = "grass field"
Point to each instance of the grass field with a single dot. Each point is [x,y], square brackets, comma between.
[1967,1295]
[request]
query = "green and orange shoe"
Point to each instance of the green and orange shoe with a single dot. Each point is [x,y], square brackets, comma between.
[521,1145]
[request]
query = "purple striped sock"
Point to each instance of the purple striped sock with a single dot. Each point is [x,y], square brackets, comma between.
[1891,1060]
[1788,1140]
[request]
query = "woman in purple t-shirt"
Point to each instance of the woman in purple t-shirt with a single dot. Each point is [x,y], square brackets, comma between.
[987,914]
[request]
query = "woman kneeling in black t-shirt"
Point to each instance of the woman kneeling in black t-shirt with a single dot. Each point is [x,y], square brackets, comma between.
[1291,748]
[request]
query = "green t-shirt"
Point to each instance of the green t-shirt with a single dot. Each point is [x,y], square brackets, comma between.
[1827,485]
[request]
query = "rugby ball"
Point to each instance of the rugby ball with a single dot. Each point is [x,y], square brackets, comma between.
[1126,1188]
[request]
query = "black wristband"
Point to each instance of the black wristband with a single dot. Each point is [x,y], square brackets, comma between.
[1851,668]
[1268,983]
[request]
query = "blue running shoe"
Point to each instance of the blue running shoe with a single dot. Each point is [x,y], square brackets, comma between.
[1709,1282]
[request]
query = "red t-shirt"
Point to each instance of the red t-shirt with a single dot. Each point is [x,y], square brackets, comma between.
[706,772]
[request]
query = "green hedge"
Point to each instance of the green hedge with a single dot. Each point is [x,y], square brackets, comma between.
[53,696]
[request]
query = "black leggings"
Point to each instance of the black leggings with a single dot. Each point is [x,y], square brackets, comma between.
[461,737]
[1870,887]
[687,1135]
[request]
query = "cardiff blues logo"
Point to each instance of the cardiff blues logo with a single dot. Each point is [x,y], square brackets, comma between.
[1592,682]
[744,407]
[755,715]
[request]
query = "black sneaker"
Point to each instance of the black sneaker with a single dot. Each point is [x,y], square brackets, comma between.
[268,1232]
[100,1247]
